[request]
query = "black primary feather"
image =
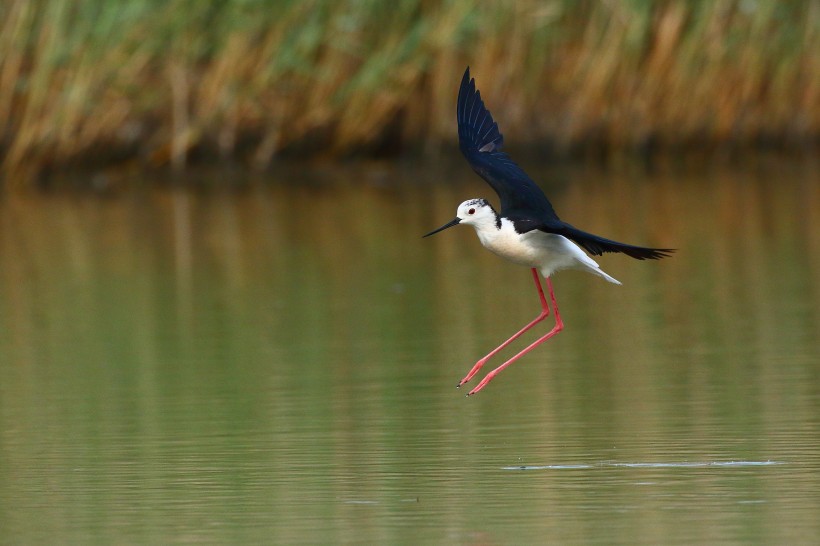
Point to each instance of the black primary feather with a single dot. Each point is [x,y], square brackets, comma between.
[480,142]
[522,201]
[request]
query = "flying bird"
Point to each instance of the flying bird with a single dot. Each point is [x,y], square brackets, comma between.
[526,230]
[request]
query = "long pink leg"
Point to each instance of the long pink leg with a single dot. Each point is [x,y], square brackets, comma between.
[545,311]
[559,325]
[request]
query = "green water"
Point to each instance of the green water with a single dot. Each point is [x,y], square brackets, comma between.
[276,364]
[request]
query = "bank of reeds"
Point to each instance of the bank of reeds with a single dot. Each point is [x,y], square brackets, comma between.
[162,82]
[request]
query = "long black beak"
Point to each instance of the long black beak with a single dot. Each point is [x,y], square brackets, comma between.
[451,223]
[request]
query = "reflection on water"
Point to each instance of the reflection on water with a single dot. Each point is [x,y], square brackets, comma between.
[277,364]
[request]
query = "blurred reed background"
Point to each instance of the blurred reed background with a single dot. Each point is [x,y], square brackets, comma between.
[165,83]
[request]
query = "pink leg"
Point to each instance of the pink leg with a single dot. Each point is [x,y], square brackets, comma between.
[559,325]
[545,311]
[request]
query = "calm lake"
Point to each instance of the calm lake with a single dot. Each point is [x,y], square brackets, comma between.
[275,362]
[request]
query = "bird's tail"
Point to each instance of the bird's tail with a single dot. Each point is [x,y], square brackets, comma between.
[585,263]
[606,276]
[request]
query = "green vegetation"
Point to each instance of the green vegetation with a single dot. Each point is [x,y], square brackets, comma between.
[94,81]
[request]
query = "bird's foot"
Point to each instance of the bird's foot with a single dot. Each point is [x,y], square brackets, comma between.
[473,371]
[481,385]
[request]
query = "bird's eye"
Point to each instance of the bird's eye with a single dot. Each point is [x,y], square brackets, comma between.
[471,211]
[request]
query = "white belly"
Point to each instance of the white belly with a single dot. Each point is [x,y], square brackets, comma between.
[534,249]
[547,252]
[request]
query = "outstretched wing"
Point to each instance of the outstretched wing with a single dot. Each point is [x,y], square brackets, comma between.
[522,201]
[480,142]
[597,245]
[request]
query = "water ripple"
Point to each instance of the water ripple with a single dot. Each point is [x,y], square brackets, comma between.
[685,464]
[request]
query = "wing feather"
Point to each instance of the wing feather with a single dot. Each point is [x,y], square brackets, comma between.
[481,141]
[597,245]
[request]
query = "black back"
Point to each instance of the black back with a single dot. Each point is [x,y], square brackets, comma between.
[522,201]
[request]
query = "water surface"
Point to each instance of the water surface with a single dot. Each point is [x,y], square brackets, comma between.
[276,363]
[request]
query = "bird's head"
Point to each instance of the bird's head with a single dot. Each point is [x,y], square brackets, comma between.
[476,212]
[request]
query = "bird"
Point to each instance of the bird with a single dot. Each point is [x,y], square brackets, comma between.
[526,230]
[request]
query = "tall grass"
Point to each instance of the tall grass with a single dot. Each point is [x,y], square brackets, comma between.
[93,81]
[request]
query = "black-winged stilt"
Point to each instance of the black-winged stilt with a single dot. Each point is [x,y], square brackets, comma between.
[526,231]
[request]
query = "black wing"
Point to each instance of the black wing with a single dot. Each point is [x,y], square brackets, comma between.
[522,201]
[480,142]
[597,245]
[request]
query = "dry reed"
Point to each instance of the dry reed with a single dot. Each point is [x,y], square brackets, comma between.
[96,82]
